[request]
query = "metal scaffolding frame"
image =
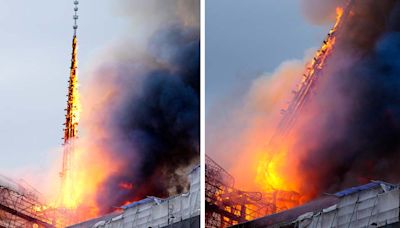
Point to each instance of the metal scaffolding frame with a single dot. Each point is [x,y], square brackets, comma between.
[226,205]
[22,208]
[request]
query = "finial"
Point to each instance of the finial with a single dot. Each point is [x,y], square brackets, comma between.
[75,17]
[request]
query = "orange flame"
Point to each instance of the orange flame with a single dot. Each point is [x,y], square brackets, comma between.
[126,186]
[70,133]
[85,165]
[277,169]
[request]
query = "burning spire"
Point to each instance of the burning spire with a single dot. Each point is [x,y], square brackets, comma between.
[311,75]
[268,175]
[71,122]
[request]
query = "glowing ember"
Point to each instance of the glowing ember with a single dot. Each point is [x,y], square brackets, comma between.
[126,186]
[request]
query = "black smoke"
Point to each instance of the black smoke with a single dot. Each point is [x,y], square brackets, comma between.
[354,133]
[156,125]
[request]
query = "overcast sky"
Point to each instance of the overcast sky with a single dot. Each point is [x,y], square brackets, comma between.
[245,38]
[35,46]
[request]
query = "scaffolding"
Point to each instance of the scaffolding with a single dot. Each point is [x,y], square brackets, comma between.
[20,206]
[227,206]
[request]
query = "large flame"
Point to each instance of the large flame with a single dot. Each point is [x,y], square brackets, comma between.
[70,132]
[277,169]
[78,182]
[85,165]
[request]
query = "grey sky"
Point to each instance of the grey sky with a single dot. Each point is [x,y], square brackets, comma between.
[245,38]
[35,46]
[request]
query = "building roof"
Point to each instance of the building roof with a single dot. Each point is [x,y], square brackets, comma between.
[292,214]
[92,222]
[188,209]
[288,216]
[364,187]
[149,199]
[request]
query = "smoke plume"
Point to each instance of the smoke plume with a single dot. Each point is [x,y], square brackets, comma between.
[141,117]
[320,12]
[353,125]
[347,133]
[237,134]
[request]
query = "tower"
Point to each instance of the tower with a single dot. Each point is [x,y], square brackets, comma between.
[71,121]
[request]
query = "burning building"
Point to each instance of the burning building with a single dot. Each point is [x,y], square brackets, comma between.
[346,96]
[226,205]
[376,204]
[22,206]
[140,120]
[343,99]
[139,128]
[341,127]
[179,211]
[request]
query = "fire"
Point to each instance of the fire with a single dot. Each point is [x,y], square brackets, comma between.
[74,105]
[276,167]
[76,110]
[86,161]
[126,186]
[276,170]
[85,165]
[272,173]
[127,203]
[339,15]
[70,132]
